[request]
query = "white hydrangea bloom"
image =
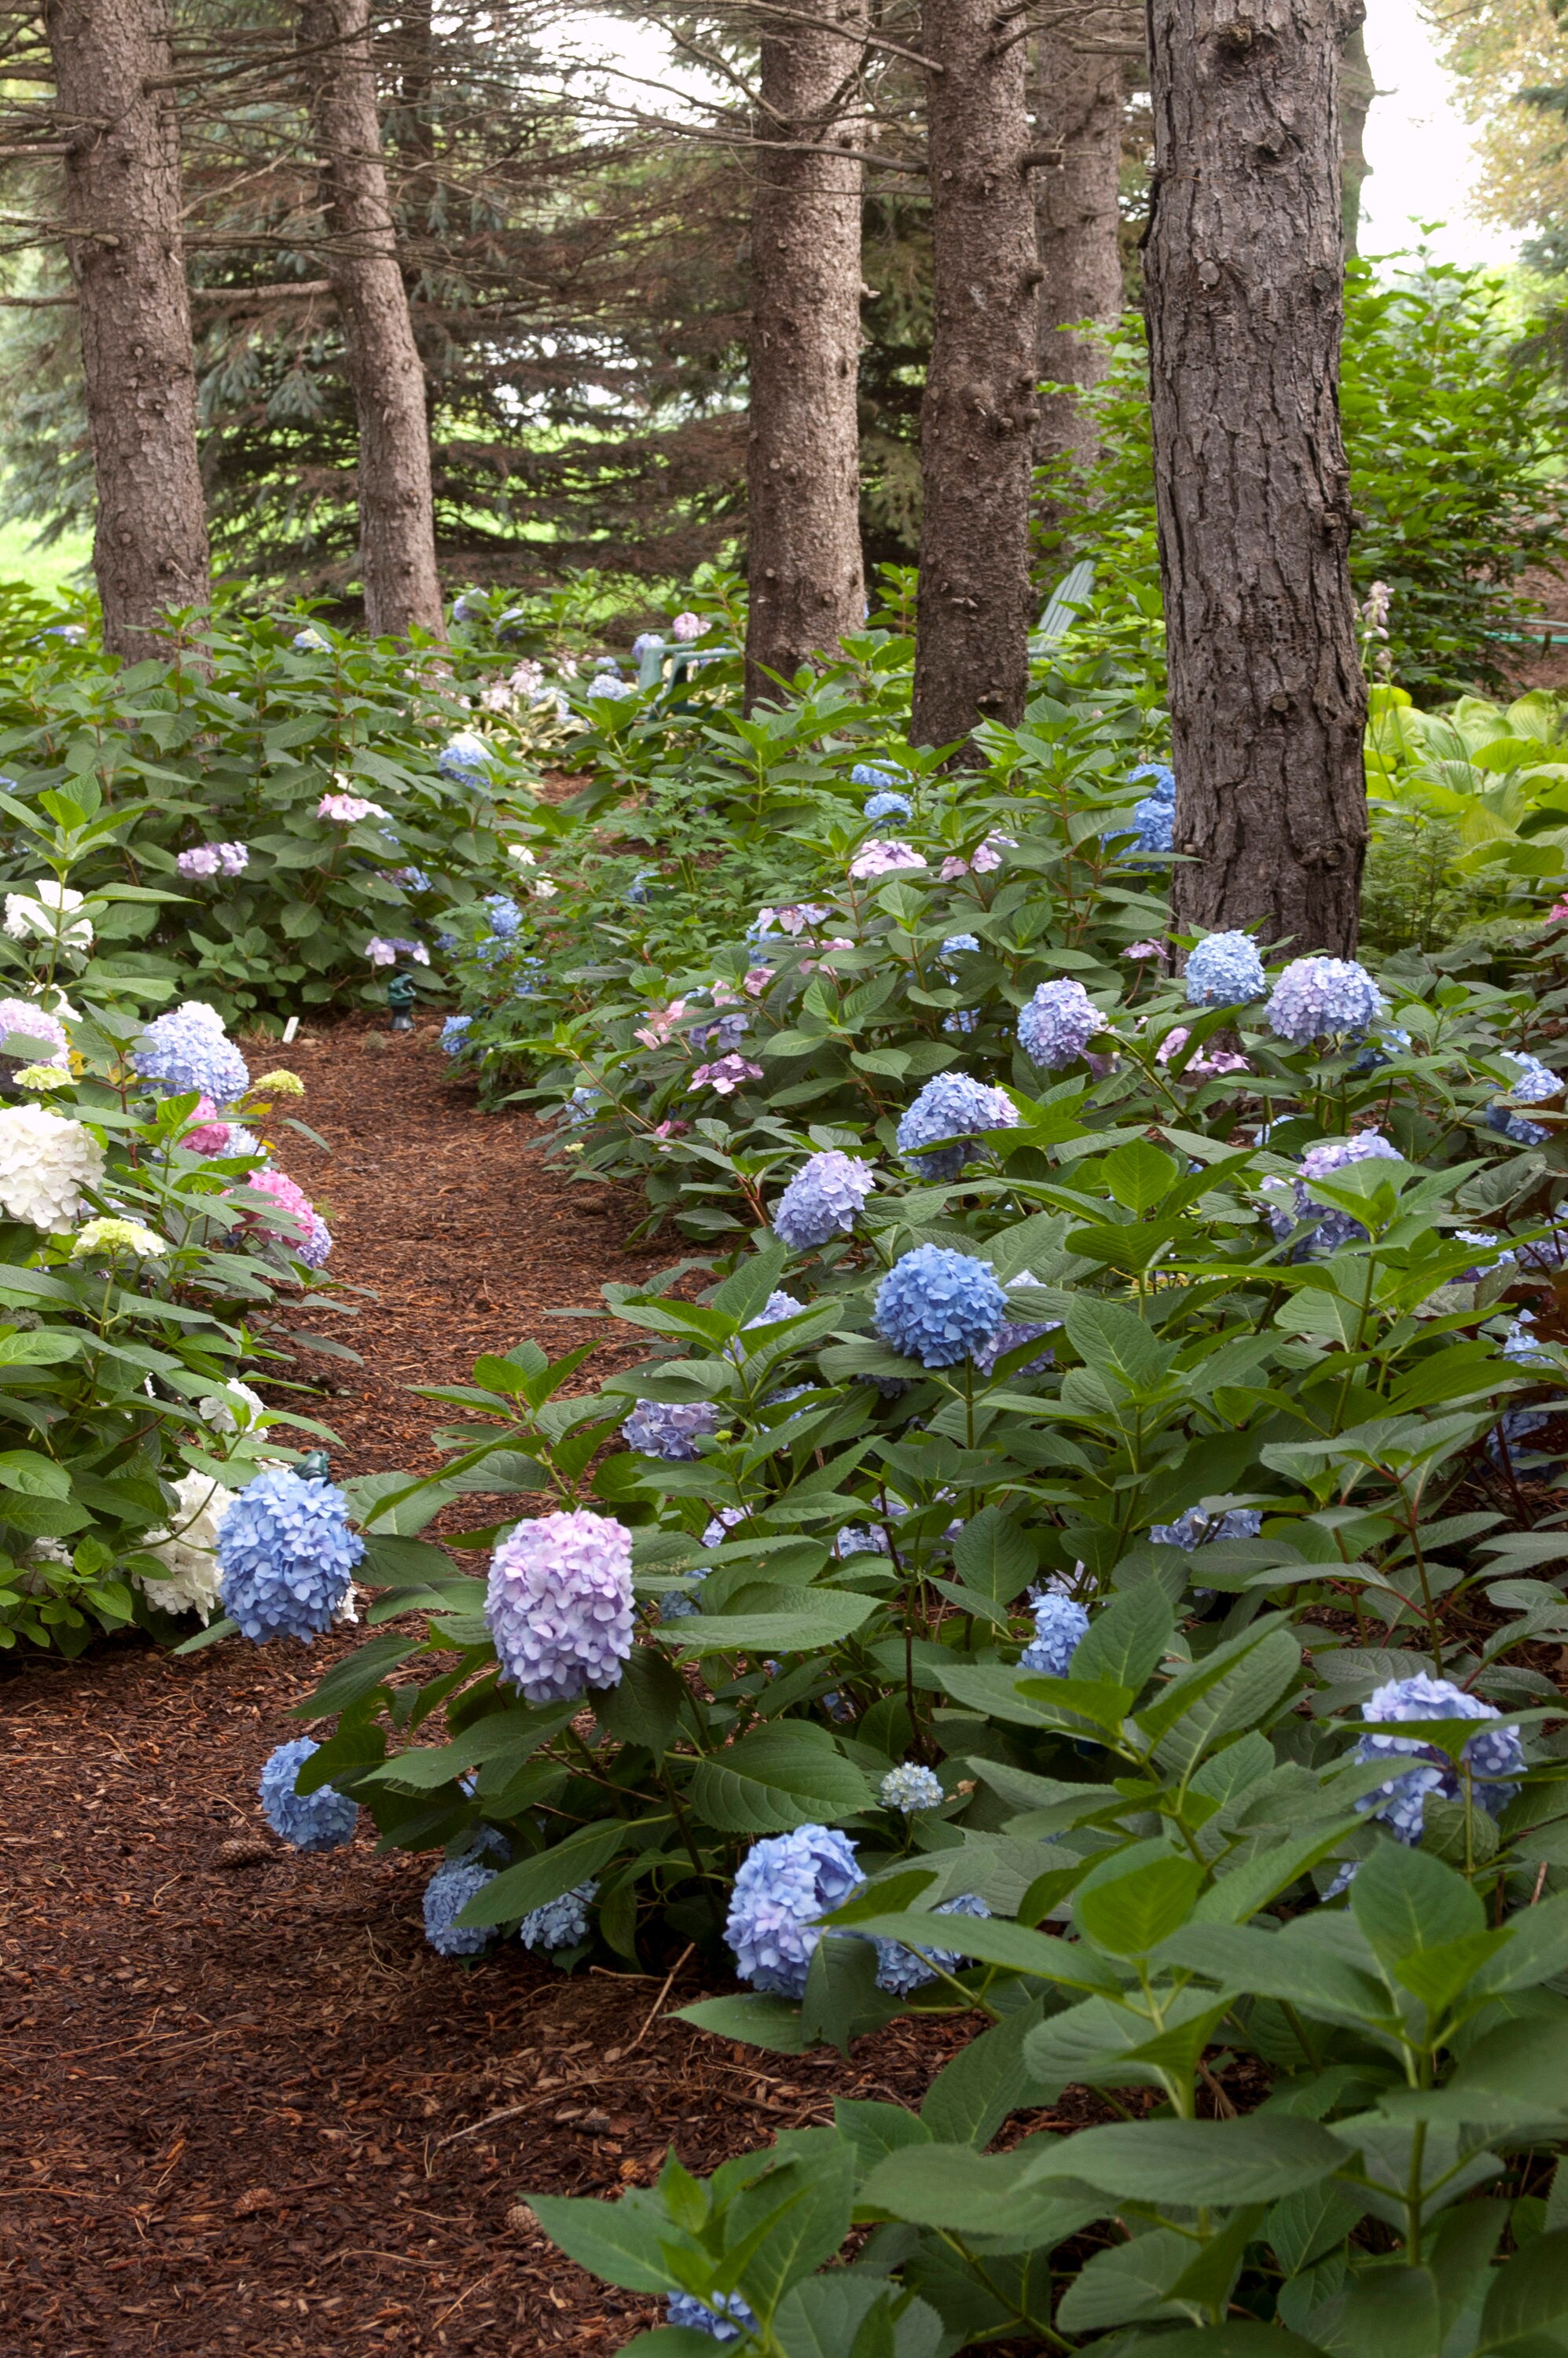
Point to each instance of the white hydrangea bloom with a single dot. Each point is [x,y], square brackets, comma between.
[46,1163]
[40,1552]
[237,1413]
[45,914]
[188,1547]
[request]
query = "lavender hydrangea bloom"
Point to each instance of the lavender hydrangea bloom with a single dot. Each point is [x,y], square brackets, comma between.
[1482,1238]
[724,2324]
[910,1788]
[722,1038]
[287,1555]
[1195,1530]
[560,1923]
[324,1819]
[186,1049]
[1057,1025]
[1060,1627]
[823,1200]
[318,1246]
[447,1893]
[901,1970]
[559,1605]
[936,1306]
[1323,998]
[1494,1760]
[783,1885]
[888,805]
[670,1429]
[1014,1332]
[1536,1083]
[1331,1228]
[1225,970]
[952,1107]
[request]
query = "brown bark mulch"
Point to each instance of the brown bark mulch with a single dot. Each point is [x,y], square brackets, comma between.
[246,2106]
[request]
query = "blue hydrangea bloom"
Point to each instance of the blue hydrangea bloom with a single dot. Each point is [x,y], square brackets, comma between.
[1012,1332]
[823,1200]
[1164,786]
[962,1022]
[957,944]
[1535,1084]
[861,1538]
[466,755]
[901,1970]
[560,1923]
[952,1107]
[725,2323]
[309,641]
[1225,970]
[1195,1530]
[1495,1759]
[783,1885]
[1155,821]
[1519,1345]
[1482,1238]
[936,1306]
[888,805]
[1057,1025]
[187,1049]
[1330,1229]
[447,1893]
[455,1034]
[867,773]
[1060,1626]
[559,1605]
[670,1429]
[910,1788]
[779,1304]
[287,1555]
[324,1819]
[1323,998]
[675,1605]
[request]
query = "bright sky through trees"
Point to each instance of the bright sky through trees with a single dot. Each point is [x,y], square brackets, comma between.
[1420,147]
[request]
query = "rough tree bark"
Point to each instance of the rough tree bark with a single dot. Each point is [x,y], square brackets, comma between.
[1244,263]
[397,530]
[978,420]
[803,469]
[1356,92]
[1076,109]
[122,211]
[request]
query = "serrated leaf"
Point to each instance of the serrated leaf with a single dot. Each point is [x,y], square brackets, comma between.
[790,1773]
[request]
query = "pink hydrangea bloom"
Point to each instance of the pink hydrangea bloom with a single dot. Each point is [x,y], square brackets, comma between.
[756,980]
[686,627]
[1202,1067]
[725,1076]
[347,809]
[661,1023]
[988,856]
[294,1218]
[207,1135]
[884,857]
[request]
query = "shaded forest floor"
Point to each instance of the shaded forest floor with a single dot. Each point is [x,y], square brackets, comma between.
[246,2107]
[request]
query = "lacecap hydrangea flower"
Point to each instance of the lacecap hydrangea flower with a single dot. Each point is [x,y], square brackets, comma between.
[187,1546]
[33,1031]
[187,1049]
[1330,1229]
[47,1163]
[724,2324]
[1057,1025]
[1060,1626]
[1322,999]
[447,1893]
[559,1605]
[324,1819]
[1493,1760]
[901,1970]
[1225,970]
[948,1115]
[784,1884]
[670,1429]
[560,1923]
[909,1788]
[823,1200]
[1196,1530]
[288,1556]
[937,1306]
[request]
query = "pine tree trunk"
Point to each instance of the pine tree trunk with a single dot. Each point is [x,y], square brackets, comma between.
[123,214]
[1356,92]
[803,470]
[1077,116]
[397,530]
[1244,263]
[978,420]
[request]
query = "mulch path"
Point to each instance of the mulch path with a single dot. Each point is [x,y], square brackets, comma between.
[246,2107]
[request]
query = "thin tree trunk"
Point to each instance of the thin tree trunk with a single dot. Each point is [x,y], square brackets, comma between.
[1356,92]
[397,530]
[802,471]
[123,212]
[1077,118]
[1244,263]
[978,420]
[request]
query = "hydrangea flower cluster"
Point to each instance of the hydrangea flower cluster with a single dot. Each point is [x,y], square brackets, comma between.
[211,859]
[465,755]
[784,1884]
[1225,970]
[1195,1530]
[909,1788]
[1330,1229]
[186,1547]
[288,1556]
[187,1049]
[1061,1625]
[823,1200]
[936,1306]
[795,917]
[295,1222]
[1535,1084]
[48,913]
[725,2323]
[1206,1065]
[1519,1345]
[102,1239]
[888,805]
[948,1114]
[725,1035]
[324,1819]
[347,809]
[1322,999]
[1012,1332]
[385,950]
[309,641]
[447,1893]
[560,1923]
[901,1970]
[957,944]
[559,1605]
[21,1019]
[869,773]
[670,1429]
[1057,1025]
[1494,1760]
[47,1163]
[725,1076]
[1483,1239]
[455,1034]
[688,626]
[885,856]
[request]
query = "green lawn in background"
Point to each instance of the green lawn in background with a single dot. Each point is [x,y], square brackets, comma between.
[44,570]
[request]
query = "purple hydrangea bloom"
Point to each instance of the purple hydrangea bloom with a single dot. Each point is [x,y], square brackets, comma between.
[885,856]
[188,1049]
[901,1970]
[1060,1626]
[1195,1530]
[26,1021]
[670,1429]
[936,1306]
[559,1605]
[318,1244]
[725,2322]
[823,1200]
[1225,970]
[952,1107]
[1323,998]
[560,1923]
[783,1885]
[447,1893]
[287,1555]
[1057,1025]
[1330,1229]
[910,1788]
[1495,1759]
[324,1819]
[724,1037]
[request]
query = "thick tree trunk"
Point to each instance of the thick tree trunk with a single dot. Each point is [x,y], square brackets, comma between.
[1356,92]
[1244,262]
[122,208]
[978,420]
[1076,109]
[803,470]
[397,531]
